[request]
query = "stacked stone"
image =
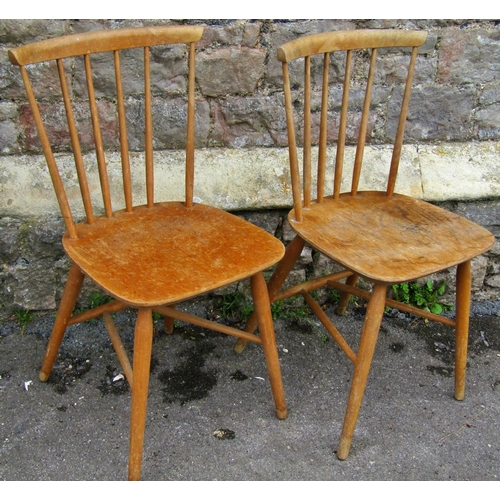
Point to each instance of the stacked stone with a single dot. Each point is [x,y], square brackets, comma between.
[454,113]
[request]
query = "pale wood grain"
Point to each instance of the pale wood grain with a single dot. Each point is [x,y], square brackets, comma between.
[103,41]
[349,40]
[153,256]
[384,237]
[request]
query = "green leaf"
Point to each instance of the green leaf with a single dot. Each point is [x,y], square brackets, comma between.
[436,308]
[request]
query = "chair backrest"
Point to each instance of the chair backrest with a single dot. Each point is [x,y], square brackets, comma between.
[83,46]
[324,44]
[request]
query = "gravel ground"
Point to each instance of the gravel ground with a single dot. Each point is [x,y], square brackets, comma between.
[211,415]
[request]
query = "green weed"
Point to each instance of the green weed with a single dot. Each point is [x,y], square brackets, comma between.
[235,306]
[291,308]
[98,299]
[23,318]
[333,295]
[424,296]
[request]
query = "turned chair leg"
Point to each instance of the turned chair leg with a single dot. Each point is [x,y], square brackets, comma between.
[168,323]
[66,307]
[346,296]
[266,328]
[143,339]
[374,313]
[279,276]
[463,293]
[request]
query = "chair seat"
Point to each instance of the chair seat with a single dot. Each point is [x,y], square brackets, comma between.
[390,240]
[168,253]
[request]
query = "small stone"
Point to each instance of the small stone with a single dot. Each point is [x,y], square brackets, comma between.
[224,434]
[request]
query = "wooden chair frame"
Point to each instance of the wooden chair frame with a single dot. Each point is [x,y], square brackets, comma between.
[83,241]
[317,220]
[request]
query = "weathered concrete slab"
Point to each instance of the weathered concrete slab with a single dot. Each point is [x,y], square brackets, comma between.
[257,178]
[410,427]
[460,171]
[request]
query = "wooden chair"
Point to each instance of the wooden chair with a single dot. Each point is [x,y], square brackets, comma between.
[384,237]
[149,257]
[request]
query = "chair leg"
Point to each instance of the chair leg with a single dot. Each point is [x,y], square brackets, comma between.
[143,339]
[168,323]
[68,301]
[464,282]
[374,313]
[279,276]
[266,328]
[345,296]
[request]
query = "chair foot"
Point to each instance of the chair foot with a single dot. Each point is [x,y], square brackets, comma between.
[168,322]
[464,282]
[250,327]
[344,447]
[240,345]
[265,321]
[142,361]
[68,301]
[345,296]
[282,414]
[168,326]
[371,327]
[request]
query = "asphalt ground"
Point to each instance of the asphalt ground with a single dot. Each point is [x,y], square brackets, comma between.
[211,415]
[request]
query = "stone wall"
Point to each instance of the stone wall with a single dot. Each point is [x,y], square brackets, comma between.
[456,95]
[451,153]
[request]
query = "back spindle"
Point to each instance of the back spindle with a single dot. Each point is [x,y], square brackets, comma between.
[75,144]
[148,132]
[49,156]
[307,133]
[292,144]
[398,143]
[323,129]
[101,161]
[360,149]
[190,129]
[122,123]
[339,159]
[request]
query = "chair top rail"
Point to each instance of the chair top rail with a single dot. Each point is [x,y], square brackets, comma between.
[103,41]
[349,40]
